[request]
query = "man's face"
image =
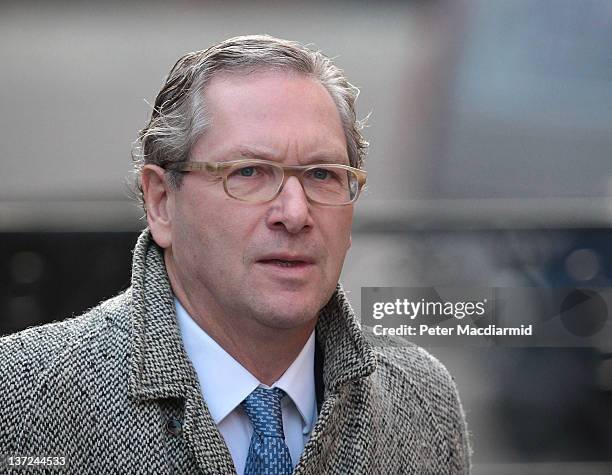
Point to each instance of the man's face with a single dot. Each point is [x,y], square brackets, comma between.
[226,253]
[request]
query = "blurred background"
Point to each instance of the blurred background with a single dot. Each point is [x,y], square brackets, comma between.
[490,165]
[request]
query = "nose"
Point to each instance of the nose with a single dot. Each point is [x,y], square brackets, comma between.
[291,209]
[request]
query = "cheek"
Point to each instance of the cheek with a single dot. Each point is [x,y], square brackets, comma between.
[216,230]
[338,236]
[193,237]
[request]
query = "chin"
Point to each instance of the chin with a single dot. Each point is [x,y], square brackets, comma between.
[286,315]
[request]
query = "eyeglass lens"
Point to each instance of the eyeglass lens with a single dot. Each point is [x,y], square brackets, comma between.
[326,184]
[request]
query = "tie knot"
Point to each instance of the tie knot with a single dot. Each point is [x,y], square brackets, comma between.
[263,406]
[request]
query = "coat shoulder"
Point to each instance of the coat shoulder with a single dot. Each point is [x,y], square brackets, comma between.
[39,347]
[417,367]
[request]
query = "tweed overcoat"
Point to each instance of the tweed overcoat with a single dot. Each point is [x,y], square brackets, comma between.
[113,391]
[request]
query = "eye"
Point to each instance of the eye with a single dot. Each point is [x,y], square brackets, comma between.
[247,171]
[321,173]
[251,172]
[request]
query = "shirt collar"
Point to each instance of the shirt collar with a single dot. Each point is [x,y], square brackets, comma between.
[225,383]
[299,384]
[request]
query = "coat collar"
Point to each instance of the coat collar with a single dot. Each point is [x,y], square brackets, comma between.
[160,367]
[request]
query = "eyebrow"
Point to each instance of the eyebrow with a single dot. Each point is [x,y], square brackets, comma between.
[321,157]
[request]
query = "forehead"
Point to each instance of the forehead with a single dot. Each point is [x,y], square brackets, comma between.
[288,113]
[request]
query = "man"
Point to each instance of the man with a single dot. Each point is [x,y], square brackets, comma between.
[235,349]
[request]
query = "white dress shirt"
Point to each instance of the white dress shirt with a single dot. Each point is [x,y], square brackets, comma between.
[225,383]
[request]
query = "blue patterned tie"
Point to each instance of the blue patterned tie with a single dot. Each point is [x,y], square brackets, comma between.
[268,452]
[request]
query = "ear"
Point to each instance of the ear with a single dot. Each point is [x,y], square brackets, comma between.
[158,201]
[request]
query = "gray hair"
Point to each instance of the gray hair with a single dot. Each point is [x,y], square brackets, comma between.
[179,116]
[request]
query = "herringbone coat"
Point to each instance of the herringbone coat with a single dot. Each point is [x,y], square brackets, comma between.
[112,391]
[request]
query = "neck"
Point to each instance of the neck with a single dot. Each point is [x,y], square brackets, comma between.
[265,352]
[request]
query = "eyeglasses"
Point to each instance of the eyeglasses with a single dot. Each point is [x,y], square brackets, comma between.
[260,181]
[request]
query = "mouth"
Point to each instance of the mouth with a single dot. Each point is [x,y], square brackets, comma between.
[288,266]
[284,263]
[288,263]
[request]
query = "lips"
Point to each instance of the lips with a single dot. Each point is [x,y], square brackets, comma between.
[287,260]
[288,266]
[283,263]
